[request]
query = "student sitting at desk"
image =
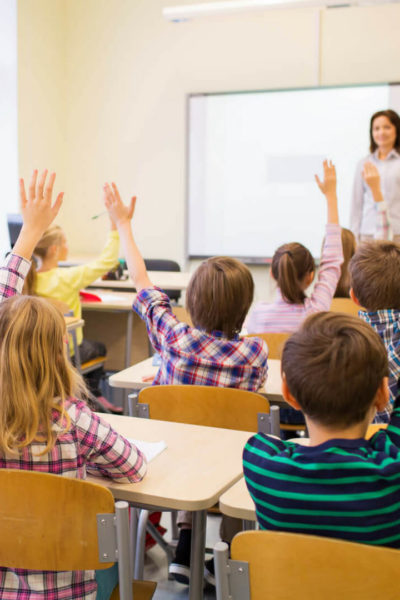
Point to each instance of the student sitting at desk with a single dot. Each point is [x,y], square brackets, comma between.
[335,369]
[64,284]
[44,424]
[210,353]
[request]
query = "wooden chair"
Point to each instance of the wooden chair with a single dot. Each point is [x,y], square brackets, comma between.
[54,523]
[227,408]
[269,565]
[345,305]
[275,342]
[209,406]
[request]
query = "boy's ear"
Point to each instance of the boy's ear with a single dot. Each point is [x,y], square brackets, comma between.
[381,399]
[353,297]
[287,395]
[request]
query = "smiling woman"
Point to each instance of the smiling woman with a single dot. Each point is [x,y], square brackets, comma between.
[385,156]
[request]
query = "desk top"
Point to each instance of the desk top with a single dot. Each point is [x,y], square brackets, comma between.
[132,377]
[111,300]
[198,465]
[236,502]
[73,323]
[166,280]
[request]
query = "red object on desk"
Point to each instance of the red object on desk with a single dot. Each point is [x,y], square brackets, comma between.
[89,297]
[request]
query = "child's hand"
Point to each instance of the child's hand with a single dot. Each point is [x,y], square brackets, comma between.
[118,212]
[328,185]
[37,209]
[373,180]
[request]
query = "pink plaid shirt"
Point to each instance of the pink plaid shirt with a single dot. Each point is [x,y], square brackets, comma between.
[89,445]
[281,316]
[193,357]
[12,276]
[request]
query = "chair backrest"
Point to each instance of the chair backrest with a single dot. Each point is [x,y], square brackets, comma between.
[287,566]
[48,522]
[206,405]
[345,305]
[162,264]
[275,342]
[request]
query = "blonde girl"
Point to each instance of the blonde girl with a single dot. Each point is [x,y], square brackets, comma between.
[46,426]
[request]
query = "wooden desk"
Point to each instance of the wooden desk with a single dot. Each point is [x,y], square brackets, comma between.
[73,323]
[113,322]
[199,464]
[166,280]
[132,378]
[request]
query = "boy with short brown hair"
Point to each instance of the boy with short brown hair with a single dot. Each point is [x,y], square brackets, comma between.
[210,353]
[375,285]
[341,485]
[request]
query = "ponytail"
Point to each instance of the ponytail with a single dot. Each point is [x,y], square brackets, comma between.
[290,264]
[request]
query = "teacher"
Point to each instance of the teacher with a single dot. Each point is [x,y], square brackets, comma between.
[385,156]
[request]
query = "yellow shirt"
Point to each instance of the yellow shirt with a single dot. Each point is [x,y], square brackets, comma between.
[64,283]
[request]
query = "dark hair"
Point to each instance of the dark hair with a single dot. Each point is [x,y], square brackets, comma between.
[334,365]
[290,264]
[349,246]
[394,119]
[219,295]
[375,275]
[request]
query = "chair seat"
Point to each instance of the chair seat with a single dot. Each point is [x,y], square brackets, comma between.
[93,364]
[142,590]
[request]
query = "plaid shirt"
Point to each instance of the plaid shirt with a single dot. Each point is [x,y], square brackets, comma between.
[89,445]
[192,356]
[387,324]
[12,276]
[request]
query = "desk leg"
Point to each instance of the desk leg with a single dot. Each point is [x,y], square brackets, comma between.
[197,555]
[128,342]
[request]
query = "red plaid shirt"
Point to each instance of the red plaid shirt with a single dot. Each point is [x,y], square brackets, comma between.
[89,445]
[192,356]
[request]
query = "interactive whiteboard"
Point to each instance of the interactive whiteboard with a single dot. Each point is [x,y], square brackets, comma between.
[252,158]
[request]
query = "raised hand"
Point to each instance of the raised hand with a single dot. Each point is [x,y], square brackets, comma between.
[372,178]
[328,185]
[38,210]
[119,212]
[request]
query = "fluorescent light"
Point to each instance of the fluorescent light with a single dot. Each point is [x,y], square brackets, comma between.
[193,11]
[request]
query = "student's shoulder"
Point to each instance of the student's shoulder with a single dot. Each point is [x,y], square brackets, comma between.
[263,445]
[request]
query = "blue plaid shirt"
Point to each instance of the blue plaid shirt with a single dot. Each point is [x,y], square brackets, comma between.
[387,324]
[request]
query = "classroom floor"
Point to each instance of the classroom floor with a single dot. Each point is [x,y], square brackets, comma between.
[156,566]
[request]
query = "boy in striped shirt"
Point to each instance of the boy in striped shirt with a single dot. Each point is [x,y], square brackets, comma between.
[341,485]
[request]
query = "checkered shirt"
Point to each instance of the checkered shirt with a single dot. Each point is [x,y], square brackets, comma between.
[12,275]
[387,324]
[90,445]
[192,356]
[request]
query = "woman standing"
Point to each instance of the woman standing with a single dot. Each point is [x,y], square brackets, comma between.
[385,156]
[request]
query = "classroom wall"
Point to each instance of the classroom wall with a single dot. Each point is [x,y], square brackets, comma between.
[103,85]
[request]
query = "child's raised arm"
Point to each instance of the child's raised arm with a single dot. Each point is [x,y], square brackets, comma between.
[38,212]
[122,215]
[328,188]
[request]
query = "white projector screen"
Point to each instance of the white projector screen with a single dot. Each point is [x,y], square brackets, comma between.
[252,157]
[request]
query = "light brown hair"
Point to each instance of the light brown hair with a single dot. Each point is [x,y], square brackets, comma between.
[334,365]
[375,275]
[52,237]
[35,374]
[219,295]
[290,264]
[349,245]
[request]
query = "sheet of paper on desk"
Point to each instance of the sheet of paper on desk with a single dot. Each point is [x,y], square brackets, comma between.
[111,297]
[149,449]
